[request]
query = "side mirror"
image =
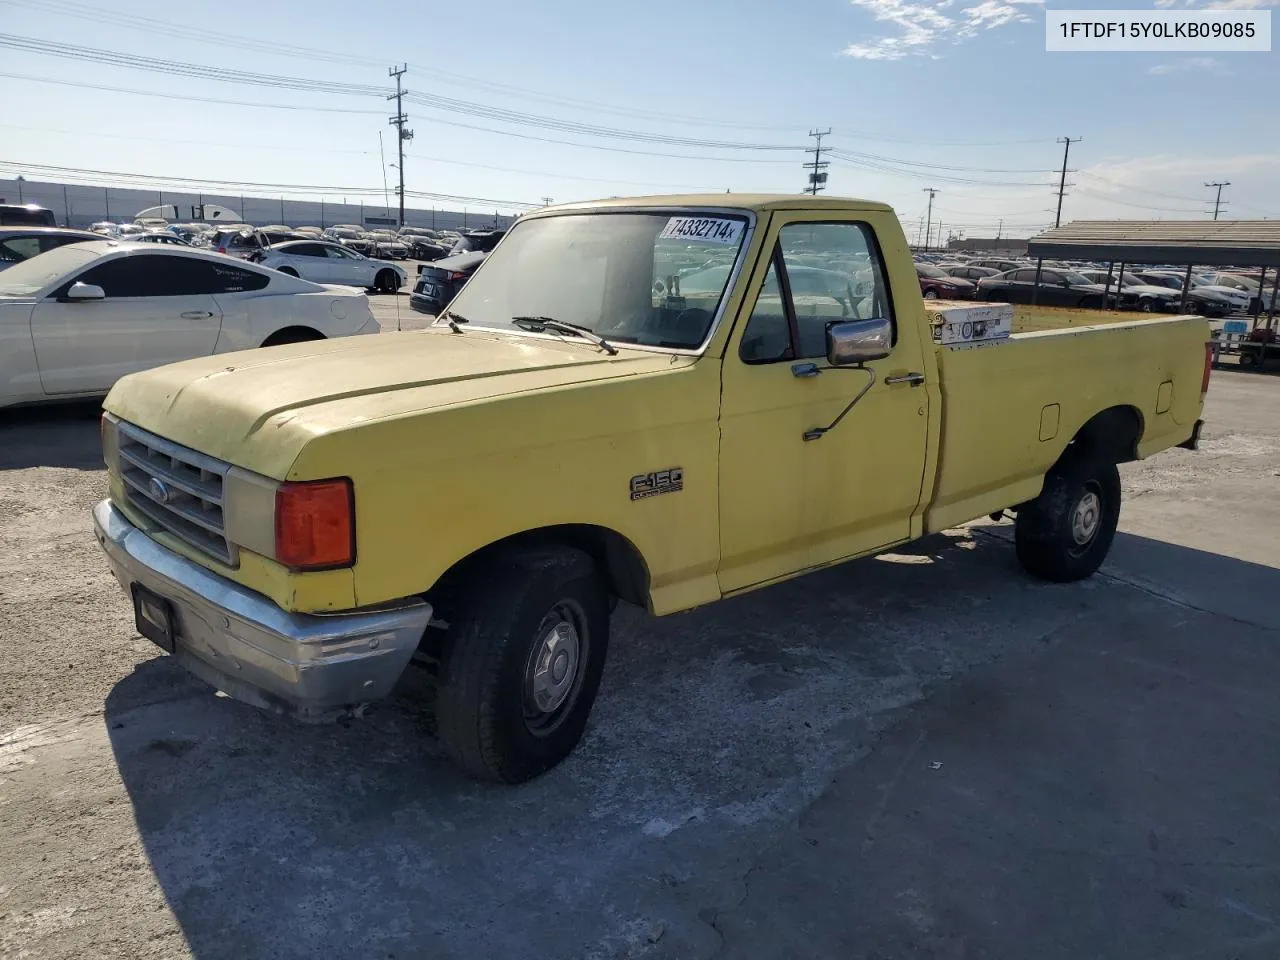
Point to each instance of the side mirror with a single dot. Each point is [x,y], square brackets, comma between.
[851,342]
[85,291]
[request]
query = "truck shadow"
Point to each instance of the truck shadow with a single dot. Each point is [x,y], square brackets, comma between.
[58,435]
[713,731]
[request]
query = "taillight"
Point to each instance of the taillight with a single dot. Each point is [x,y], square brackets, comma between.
[222,249]
[316,524]
[455,275]
[1208,367]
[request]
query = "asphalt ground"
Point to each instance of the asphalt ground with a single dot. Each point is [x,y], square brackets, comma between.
[923,754]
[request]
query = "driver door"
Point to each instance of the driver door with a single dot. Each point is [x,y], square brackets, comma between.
[788,504]
[346,267]
[157,310]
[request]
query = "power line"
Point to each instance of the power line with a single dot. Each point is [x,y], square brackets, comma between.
[188,97]
[448,104]
[817,166]
[178,68]
[160,27]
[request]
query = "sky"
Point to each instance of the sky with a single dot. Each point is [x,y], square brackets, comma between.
[516,102]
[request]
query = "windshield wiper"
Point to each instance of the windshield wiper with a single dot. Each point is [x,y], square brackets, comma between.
[452,319]
[572,329]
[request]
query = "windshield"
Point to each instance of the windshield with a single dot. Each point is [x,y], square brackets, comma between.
[928,270]
[30,276]
[655,279]
[1071,277]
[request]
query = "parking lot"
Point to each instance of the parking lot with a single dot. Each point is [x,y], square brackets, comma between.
[919,754]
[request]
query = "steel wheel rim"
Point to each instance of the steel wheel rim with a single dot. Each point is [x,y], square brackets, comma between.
[554,670]
[1086,519]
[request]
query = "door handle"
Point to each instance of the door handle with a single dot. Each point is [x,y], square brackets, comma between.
[196,315]
[915,379]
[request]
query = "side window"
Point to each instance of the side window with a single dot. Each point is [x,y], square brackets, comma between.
[229,279]
[1024,276]
[335,253]
[832,272]
[768,334]
[19,249]
[144,276]
[1048,278]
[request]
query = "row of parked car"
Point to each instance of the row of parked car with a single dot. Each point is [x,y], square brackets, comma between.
[1154,290]
[342,254]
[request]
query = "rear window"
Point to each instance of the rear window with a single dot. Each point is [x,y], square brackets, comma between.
[23,216]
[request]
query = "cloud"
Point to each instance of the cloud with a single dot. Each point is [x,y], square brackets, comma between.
[922,25]
[1189,65]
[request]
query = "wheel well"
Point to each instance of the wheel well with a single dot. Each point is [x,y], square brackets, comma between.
[617,557]
[1112,434]
[292,335]
[289,271]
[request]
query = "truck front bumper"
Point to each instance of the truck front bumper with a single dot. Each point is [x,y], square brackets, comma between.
[309,666]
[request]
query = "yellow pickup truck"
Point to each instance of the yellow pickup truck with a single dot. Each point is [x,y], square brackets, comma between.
[664,400]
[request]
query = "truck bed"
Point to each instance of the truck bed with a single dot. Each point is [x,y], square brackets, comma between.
[1011,407]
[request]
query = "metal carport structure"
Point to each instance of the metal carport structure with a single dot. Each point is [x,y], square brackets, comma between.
[1183,243]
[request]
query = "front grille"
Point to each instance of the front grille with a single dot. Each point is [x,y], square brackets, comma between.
[176,488]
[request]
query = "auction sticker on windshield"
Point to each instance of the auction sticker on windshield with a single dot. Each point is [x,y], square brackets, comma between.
[710,229]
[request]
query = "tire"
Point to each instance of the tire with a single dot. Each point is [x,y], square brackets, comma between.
[289,271]
[494,718]
[1089,303]
[1065,533]
[931,294]
[1248,359]
[1147,305]
[386,282]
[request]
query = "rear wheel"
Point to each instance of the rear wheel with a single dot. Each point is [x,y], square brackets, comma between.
[386,281]
[1147,305]
[521,662]
[1065,533]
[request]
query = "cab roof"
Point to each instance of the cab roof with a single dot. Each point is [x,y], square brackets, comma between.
[758,202]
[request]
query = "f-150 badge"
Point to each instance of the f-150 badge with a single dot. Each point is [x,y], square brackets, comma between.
[644,485]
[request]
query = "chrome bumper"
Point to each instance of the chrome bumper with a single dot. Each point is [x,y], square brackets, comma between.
[308,666]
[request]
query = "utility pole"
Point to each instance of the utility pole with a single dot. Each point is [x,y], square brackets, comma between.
[817,166]
[1217,202]
[928,217]
[547,201]
[1062,180]
[403,132]
[1000,228]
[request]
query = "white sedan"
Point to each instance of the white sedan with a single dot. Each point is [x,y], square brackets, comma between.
[326,262]
[76,319]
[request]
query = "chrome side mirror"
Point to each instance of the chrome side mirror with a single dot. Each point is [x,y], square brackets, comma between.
[853,342]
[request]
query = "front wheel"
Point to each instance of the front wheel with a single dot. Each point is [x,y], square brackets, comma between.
[1065,533]
[931,294]
[523,654]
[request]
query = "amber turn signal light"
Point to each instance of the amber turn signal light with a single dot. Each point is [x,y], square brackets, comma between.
[316,524]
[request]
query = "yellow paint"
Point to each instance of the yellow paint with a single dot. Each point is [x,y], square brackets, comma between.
[455,441]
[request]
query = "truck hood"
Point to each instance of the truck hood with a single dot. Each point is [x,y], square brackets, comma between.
[257,408]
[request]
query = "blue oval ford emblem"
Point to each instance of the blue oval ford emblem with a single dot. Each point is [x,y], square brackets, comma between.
[159,490]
